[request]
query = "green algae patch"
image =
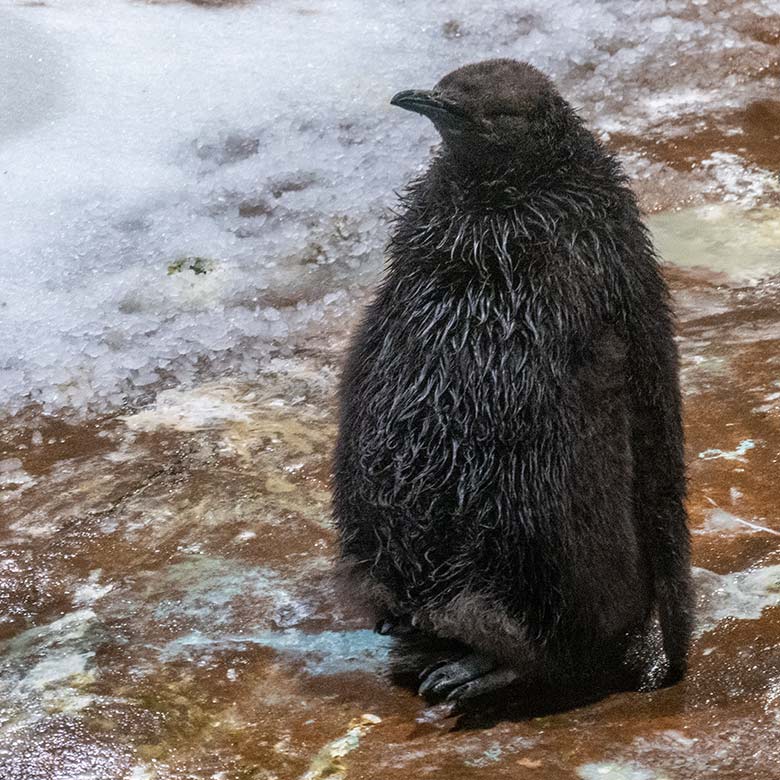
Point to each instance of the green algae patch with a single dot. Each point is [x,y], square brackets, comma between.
[198,265]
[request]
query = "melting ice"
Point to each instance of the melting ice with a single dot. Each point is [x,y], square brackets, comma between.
[184,184]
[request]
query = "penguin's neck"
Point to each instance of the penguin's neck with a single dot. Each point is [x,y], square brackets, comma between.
[492,223]
[451,235]
[485,184]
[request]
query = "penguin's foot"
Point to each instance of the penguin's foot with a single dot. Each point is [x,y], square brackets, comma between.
[491,682]
[395,625]
[465,678]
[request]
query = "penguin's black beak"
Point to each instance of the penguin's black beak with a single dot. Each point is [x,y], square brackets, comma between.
[422,101]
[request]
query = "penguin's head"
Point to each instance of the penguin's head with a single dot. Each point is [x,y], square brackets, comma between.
[493,108]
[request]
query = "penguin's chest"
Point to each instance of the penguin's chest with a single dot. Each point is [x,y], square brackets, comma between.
[459,389]
[477,367]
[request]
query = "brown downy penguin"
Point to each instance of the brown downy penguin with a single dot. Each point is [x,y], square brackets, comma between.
[509,468]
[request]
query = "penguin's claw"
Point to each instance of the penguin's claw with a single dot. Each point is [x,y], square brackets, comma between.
[436,665]
[487,683]
[440,679]
[395,626]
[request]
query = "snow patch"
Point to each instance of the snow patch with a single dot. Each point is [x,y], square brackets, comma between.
[742,595]
[189,191]
[91,591]
[613,770]
[46,667]
[189,410]
[737,454]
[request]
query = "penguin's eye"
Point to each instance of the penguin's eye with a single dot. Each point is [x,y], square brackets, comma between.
[505,127]
[502,108]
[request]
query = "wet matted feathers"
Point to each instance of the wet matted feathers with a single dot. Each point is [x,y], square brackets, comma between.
[509,468]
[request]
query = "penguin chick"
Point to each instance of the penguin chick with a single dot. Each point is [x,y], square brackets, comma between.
[509,467]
